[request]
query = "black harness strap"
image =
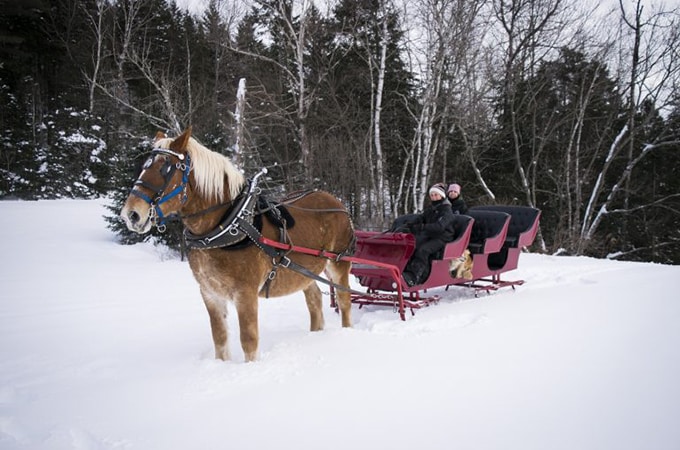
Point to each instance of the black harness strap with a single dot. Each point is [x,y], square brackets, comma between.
[280,259]
[237,225]
[226,234]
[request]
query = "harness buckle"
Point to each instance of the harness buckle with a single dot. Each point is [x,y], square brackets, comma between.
[285,261]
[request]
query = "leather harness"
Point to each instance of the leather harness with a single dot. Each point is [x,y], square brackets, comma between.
[237,225]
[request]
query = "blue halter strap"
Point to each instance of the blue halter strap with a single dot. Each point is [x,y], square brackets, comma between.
[158,192]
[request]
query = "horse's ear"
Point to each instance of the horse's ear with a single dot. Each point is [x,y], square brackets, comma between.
[159,135]
[180,143]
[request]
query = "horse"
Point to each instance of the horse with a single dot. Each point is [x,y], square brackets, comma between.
[218,208]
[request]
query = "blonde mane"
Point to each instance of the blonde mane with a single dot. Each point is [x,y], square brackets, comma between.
[209,170]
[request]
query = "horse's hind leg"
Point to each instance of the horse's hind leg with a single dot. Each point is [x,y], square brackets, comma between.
[315,306]
[339,272]
[217,310]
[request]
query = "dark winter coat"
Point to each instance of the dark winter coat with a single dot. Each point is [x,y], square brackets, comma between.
[436,222]
[434,228]
[458,205]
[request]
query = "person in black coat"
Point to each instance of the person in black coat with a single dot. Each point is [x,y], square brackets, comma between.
[433,229]
[458,205]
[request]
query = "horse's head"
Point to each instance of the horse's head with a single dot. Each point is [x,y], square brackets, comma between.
[160,189]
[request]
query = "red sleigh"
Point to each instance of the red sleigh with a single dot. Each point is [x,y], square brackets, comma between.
[494,236]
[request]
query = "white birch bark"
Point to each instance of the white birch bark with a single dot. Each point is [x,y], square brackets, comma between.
[239,124]
[379,167]
[586,227]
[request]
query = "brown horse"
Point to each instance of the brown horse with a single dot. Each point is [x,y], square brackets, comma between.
[182,177]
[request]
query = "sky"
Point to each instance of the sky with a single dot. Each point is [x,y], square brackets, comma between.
[105,346]
[193,6]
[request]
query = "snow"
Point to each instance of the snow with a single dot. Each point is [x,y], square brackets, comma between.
[108,347]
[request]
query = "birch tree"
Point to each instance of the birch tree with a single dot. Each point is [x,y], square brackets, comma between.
[375,44]
[650,40]
[444,41]
[125,25]
[572,107]
[377,110]
[291,26]
[530,28]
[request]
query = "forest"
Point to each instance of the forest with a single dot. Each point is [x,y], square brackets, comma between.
[563,105]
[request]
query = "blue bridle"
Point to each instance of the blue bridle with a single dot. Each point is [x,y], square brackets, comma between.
[158,193]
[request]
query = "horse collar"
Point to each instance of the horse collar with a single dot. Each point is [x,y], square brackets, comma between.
[229,231]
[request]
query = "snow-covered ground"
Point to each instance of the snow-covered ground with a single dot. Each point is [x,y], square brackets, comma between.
[104,346]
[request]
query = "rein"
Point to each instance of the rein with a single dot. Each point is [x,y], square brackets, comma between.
[209,209]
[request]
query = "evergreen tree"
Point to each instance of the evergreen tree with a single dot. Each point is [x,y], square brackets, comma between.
[25,52]
[55,146]
[72,165]
[652,231]
[565,118]
[347,107]
[17,156]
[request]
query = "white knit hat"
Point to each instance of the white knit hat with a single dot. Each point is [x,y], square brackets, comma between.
[439,189]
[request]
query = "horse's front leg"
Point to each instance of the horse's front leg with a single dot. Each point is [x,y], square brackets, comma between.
[217,310]
[246,307]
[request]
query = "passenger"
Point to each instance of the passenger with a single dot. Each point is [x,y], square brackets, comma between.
[458,205]
[434,228]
